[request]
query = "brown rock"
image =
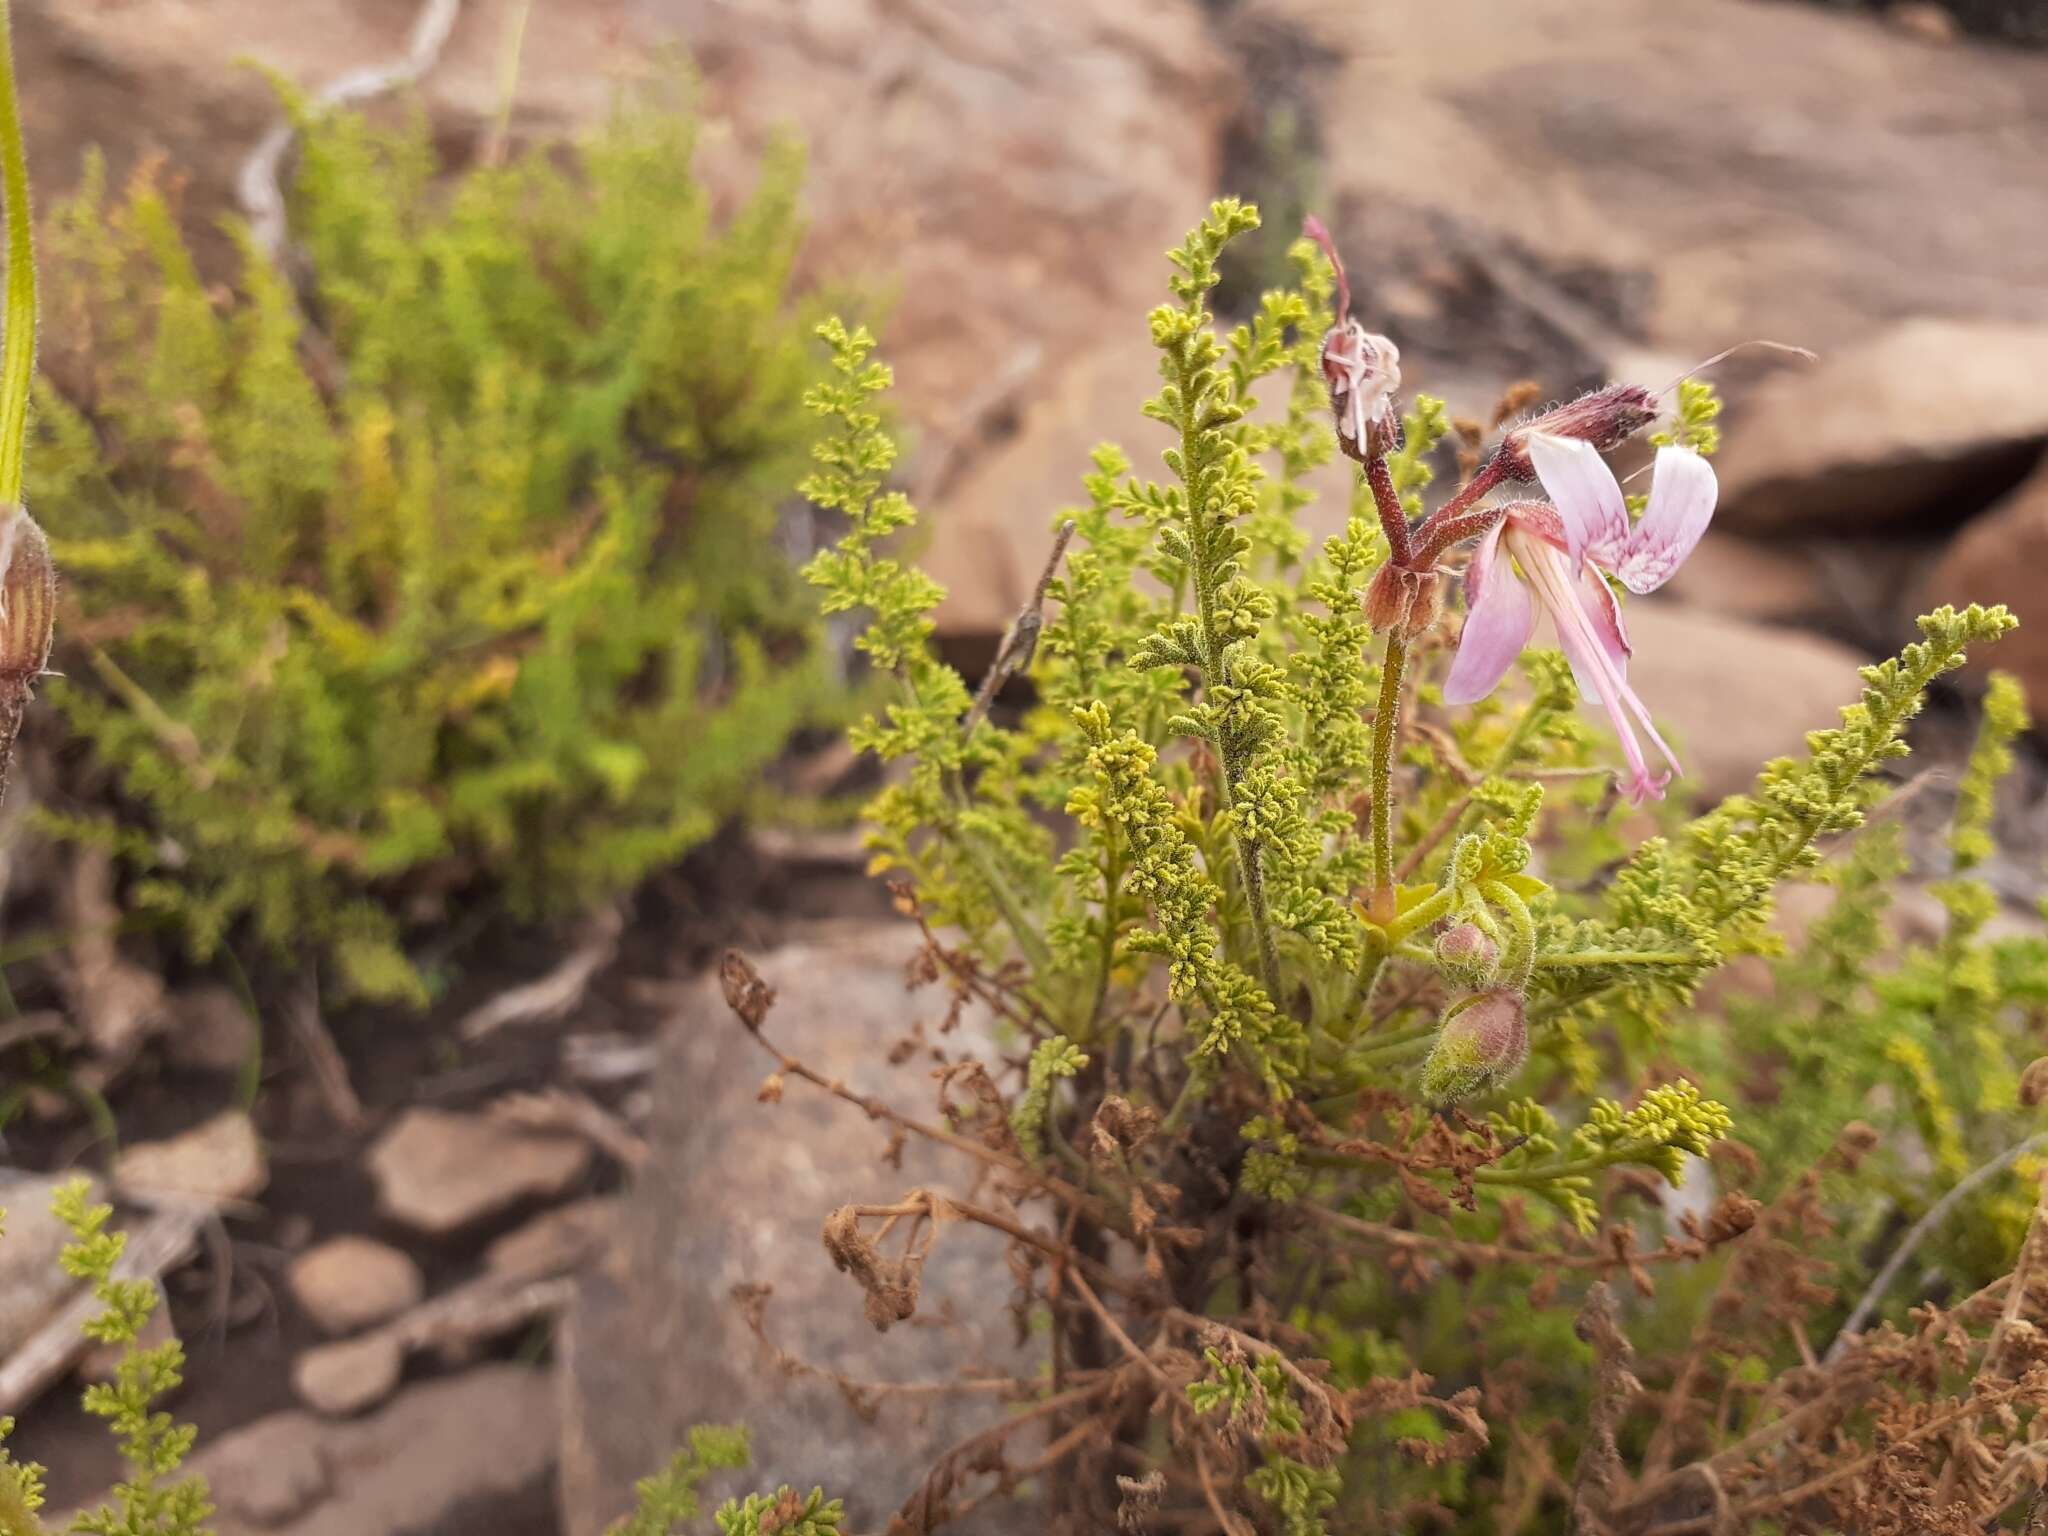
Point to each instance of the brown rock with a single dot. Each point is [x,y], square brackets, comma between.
[736,1193]
[349,1283]
[209,1029]
[217,1162]
[1731,695]
[345,1378]
[1929,23]
[1915,427]
[556,1241]
[1730,165]
[488,1433]
[437,1171]
[2002,557]
[1747,579]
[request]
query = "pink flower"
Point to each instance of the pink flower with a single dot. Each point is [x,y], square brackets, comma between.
[1562,552]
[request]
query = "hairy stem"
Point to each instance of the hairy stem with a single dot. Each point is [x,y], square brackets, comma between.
[1385,725]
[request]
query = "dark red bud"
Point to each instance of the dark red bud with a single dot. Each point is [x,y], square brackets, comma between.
[1467,956]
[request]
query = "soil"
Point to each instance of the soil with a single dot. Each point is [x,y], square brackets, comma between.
[231,1306]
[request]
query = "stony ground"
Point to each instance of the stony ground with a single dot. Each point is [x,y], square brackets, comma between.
[394,1248]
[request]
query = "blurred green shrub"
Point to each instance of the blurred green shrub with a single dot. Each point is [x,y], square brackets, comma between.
[451,574]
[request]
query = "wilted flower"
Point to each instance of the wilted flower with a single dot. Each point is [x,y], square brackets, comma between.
[1484,1042]
[1362,370]
[1562,552]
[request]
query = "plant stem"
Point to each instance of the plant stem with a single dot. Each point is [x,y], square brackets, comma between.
[1385,723]
[18,342]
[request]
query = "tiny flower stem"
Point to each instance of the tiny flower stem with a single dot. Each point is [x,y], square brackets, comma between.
[18,341]
[1576,1168]
[1393,519]
[1384,728]
[1438,537]
[1490,475]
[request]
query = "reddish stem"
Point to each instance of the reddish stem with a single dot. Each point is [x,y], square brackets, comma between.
[1400,548]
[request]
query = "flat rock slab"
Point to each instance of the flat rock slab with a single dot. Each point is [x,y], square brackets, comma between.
[736,1193]
[409,1467]
[351,1282]
[438,1171]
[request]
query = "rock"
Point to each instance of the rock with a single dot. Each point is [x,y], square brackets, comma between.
[556,1241]
[31,1283]
[1747,579]
[1920,425]
[2002,557]
[1731,695]
[1620,183]
[215,1163]
[488,1433]
[348,1283]
[736,1193]
[1929,23]
[345,1378]
[209,1029]
[438,1171]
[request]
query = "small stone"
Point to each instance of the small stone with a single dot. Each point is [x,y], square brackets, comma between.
[438,1171]
[209,1030]
[272,1471]
[101,1361]
[217,1162]
[1930,23]
[343,1379]
[555,1242]
[350,1283]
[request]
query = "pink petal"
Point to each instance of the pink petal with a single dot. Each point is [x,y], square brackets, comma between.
[1587,495]
[1603,618]
[1499,619]
[1681,505]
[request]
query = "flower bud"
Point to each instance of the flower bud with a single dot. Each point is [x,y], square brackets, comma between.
[1483,1043]
[28,615]
[1404,602]
[1606,418]
[1467,957]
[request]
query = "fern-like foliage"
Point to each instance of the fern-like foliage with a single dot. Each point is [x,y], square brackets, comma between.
[447,575]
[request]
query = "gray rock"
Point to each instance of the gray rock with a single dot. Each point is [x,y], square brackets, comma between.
[556,1241]
[438,1171]
[736,1194]
[209,1029]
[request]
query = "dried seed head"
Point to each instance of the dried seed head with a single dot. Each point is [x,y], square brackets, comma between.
[1483,1043]
[1400,601]
[1467,957]
[1606,418]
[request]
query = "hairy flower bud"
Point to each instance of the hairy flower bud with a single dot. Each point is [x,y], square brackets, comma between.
[1606,418]
[28,616]
[1400,601]
[1467,957]
[1483,1043]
